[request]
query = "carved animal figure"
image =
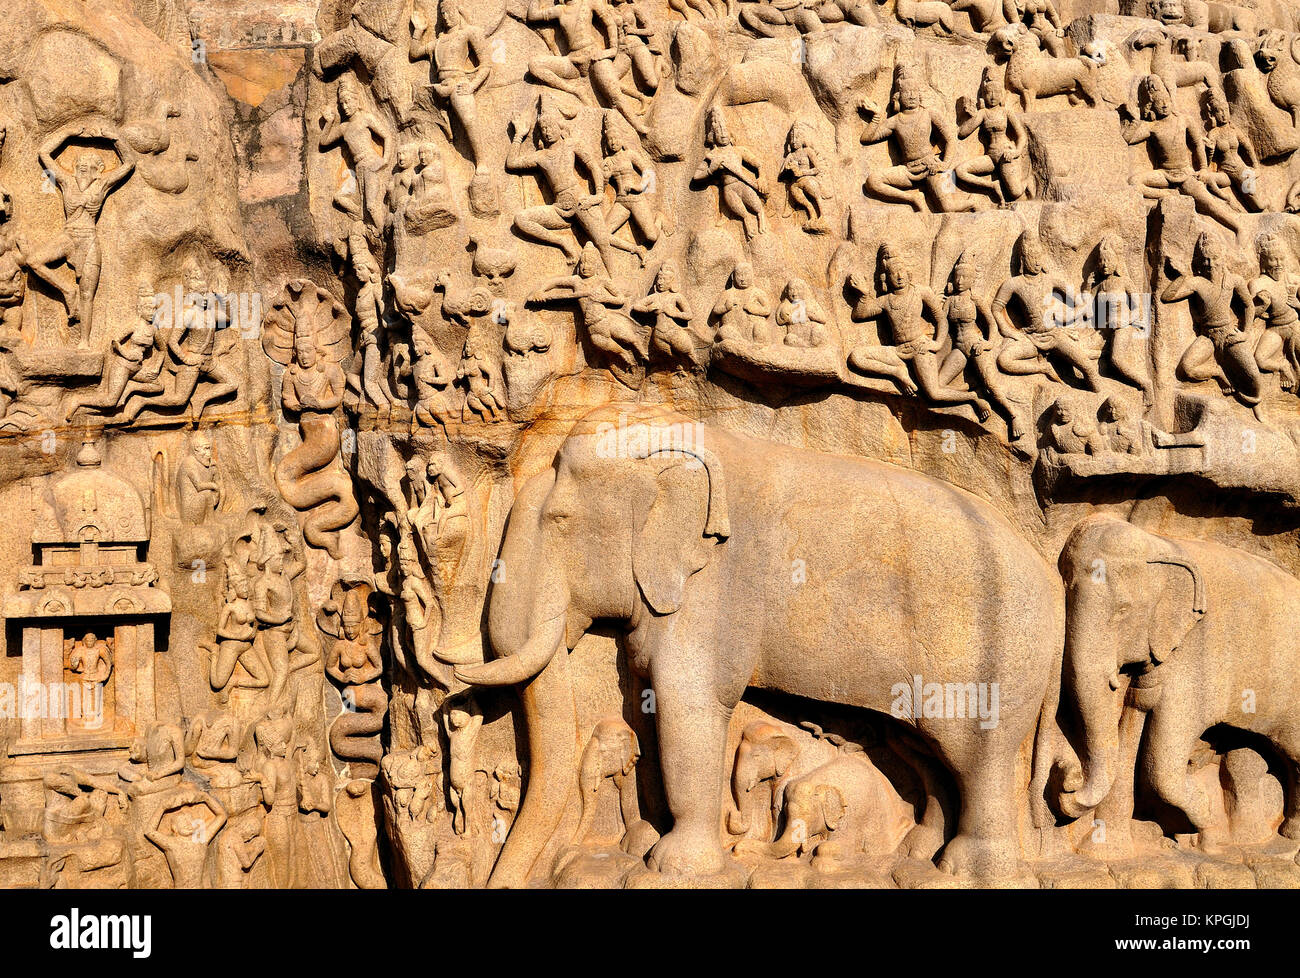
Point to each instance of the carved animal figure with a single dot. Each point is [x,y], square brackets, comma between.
[1196,624]
[1032,75]
[660,526]
[1277,57]
[765,755]
[611,755]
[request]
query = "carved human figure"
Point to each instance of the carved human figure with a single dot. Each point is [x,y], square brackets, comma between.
[631,175]
[914,131]
[1218,299]
[462,64]
[369,308]
[1040,296]
[1004,167]
[1122,316]
[275,771]
[801,317]
[976,340]
[1177,153]
[671,336]
[590,33]
[636,41]
[442,498]
[572,203]
[1071,432]
[14,262]
[315,786]
[84,191]
[463,722]
[413,778]
[478,374]
[90,659]
[432,376]
[136,355]
[599,302]
[1040,18]
[743,309]
[354,657]
[155,761]
[1121,429]
[198,482]
[362,196]
[742,184]
[430,205]
[183,829]
[1275,302]
[802,167]
[912,313]
[235,636]
[505,789]
[274,604]
[1230,154]
[239,848]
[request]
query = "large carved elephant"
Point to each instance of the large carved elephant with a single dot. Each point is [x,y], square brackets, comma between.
[1207,632]
[731,562]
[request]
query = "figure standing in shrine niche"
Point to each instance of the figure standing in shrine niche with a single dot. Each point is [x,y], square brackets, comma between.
[571,204]
[590,33]
[359,131]
[84,191]
[462,63]
[1275,295]
[802,165]
[630,173]
[742,185]
[975,341]
[743,309]
[1177,153]
[1003,169]
[599,302]
[1218,299]
[914,130]
[90,659]
[1040,295]
[913,314]
[13,267]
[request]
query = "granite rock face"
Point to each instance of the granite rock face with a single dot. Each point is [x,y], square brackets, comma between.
[649,443]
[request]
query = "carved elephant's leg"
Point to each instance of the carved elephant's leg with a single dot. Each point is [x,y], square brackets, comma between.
[985,844]
[692,727]
[1289,745]
[1172,732]
[926,837]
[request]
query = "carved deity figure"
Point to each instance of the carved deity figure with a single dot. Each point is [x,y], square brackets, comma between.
[1275,301]
[1004,167]
[912,313]
[629,172]
[1040,295]
[1122,316]
[803,168]
[84,191]
[742,184]
[362,195]
[599,302]
[235,636]
[354,657]
[1218,300]
[137,355]
[369,309]
[914,131]
[1177,153]
[671,336]
[801,317]
[1230,154]
[90,658]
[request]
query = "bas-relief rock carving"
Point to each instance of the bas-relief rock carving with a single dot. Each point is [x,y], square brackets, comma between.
[649,443]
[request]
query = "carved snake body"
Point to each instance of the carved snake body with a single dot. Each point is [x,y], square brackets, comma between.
[309,484]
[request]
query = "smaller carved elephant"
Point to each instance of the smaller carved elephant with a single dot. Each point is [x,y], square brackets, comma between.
[611,754]
[838,811]
[765,755]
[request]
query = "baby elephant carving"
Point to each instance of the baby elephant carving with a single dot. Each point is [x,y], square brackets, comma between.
[839,811]
[611,754]
[765,755]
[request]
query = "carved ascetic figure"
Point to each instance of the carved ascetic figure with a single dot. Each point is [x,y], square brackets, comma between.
[1219,300]
[1188,625]
[578,554]
[1004,167]
[1041,297]
[84,190]
[1177,153]
[743,310]
[742,184]
[914,130]
[184,829]
[913,314]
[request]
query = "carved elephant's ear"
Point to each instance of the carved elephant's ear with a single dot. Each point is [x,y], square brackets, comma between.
[1175,611]
[833,807]
[687,518]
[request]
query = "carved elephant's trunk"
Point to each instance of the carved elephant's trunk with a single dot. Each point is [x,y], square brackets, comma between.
[1089,674]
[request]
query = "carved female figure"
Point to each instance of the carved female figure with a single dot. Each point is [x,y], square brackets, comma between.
[672,314]
[1004,168]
